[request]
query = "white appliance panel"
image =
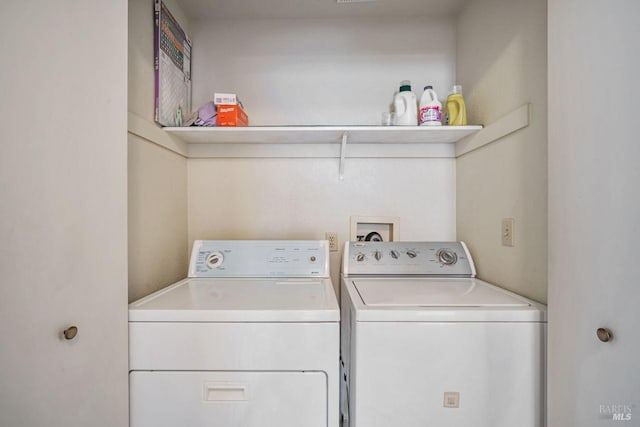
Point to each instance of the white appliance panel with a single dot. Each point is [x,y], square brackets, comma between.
[408,258]
[522,309]
[445,292]
[496,369]
[259,258]
[228,399]
[240,299]
[234,346]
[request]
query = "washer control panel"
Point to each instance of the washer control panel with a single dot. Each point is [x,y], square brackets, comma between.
[410,258]
[259,258]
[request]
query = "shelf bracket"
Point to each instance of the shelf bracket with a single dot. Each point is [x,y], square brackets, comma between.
[506,125]
[343,152]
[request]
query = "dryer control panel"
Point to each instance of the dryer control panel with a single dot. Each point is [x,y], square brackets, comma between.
[259,258]
[408,258]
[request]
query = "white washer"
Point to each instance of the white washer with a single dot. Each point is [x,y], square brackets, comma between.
[250,339]
[425,343]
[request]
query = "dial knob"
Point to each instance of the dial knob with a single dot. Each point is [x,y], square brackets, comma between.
[360,257]
[411,253]
[377,255]
[215,259]
[394,254]
[447,256]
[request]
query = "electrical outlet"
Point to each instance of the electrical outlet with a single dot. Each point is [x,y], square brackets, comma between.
[332,237]
[451,399]
[508,231]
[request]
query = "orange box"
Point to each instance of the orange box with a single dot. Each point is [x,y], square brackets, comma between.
[232,115]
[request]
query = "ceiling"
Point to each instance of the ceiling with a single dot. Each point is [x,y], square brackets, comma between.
[270,9]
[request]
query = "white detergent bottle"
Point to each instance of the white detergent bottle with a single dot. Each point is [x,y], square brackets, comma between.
[405,104]
[430,108]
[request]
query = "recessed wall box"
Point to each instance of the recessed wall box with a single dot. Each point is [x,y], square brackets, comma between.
[374,228]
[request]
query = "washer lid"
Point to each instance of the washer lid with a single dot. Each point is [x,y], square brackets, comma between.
[433,292]
[240,300]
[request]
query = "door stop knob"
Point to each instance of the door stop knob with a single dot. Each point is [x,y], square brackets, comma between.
[70,333]
[604,334]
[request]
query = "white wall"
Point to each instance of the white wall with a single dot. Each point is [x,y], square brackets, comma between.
[319,71]
[157,177]
[501,63]
[303,198]
[328,71]
[594,207]
[289,72]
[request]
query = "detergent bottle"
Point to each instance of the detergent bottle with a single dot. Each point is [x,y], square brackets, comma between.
[405,104]
[456,107]
[430,108]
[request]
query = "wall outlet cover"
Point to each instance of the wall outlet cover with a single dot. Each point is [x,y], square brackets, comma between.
[508,231]
[451,399]
[332,237]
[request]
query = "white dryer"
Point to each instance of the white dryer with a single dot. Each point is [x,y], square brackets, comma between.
[425,343]
[250,339]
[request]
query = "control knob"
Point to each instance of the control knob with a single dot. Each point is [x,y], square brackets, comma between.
[447,256]
[215,259]
[360,257]
[394,254]
[377,255]
[411,253]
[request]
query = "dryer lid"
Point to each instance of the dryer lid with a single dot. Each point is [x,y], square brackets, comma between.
[240,300]
[433,292]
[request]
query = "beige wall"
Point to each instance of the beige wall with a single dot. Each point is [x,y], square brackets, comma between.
[157,177]
[63,214]
[157,217]
[502,65]
[303,198]
[594,206]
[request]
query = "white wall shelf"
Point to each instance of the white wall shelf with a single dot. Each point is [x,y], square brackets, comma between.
[506,125]
[328,141]
[322,134]
[304,141]
[322,141]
